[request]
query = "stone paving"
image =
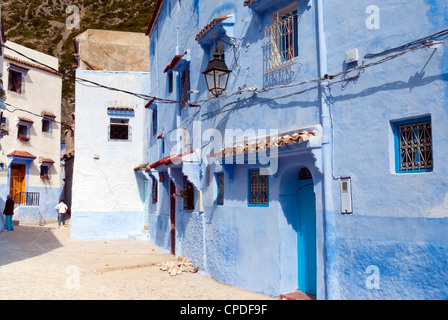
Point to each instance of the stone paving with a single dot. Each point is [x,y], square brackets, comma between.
[41,262]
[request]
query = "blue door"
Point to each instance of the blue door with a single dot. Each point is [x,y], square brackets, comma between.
[307,237]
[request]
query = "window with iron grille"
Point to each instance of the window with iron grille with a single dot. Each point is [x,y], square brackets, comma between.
[154,191]
[119,129]
[258,188]
[280,40]
[184,88]
[220,181]
[414,146]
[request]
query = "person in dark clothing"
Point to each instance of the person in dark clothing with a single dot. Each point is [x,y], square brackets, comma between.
[8,212]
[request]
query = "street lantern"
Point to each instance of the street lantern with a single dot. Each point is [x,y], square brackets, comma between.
[216,74]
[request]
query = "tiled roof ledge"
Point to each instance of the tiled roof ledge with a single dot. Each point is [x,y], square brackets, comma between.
[219,25]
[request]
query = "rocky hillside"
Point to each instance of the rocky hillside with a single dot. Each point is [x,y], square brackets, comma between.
[42,25]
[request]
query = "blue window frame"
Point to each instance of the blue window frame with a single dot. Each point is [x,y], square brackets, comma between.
[220,183]
[258,188]
[413,145]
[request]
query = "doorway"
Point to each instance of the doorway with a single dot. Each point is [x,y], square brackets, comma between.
[145,203]
[173,216]
[17,182]
[306,234]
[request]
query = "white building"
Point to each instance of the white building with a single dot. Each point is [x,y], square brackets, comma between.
[31,132]
[111,138]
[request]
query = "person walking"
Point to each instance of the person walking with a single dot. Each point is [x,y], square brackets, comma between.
[9,212]
[61,208]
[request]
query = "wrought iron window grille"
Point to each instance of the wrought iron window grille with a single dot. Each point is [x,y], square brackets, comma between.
[415,147]
[280,42]
[119,129]
[258,188]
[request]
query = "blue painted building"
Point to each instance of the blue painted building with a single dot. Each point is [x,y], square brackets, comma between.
[320,167]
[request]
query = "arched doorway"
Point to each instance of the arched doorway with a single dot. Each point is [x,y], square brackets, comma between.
[306,233]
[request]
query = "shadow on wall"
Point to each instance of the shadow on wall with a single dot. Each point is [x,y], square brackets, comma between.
[26,242]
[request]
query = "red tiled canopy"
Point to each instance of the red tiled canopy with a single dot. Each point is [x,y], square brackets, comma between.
[23,154]
[47,160]
[48,114]
[174,61]
[209,26]
[167,160]
[25,119]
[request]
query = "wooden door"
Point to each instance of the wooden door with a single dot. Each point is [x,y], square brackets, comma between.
[173,216]
[307,237]
[17,181]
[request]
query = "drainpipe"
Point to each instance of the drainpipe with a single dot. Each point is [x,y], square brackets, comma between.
[326,140]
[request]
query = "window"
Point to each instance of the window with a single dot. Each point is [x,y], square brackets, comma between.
[280,40]
[22,133]
[154,121]
[258,188]
[189,190]
[154,191]
[15,81]
[184,88]
[119,129]
[413,140]
[3,125]
[170,81]
[220,182]
[46,127]
[44,173]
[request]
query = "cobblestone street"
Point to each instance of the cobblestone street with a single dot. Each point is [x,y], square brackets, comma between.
[41,262]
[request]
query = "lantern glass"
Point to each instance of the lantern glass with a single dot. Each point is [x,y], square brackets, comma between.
[216,75]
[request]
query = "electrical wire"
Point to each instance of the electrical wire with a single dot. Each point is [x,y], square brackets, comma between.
[422,43]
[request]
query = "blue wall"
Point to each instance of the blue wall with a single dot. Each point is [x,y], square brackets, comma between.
[397,221]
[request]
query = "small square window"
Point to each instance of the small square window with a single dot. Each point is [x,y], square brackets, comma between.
[119,129]
[15,81]
[258,188]
[220,182]
[44,173]
[46,127]
[413,145]
[22,133]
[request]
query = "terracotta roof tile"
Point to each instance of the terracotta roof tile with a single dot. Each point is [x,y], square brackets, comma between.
[48,160]
[48,114]
[25,119]
[252,147]
[167,160]
[32,65]
[174,61]
[23,154]
[120,109]
[209,26]
[155,14]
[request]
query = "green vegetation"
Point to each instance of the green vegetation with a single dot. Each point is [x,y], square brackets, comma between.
[41,25]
